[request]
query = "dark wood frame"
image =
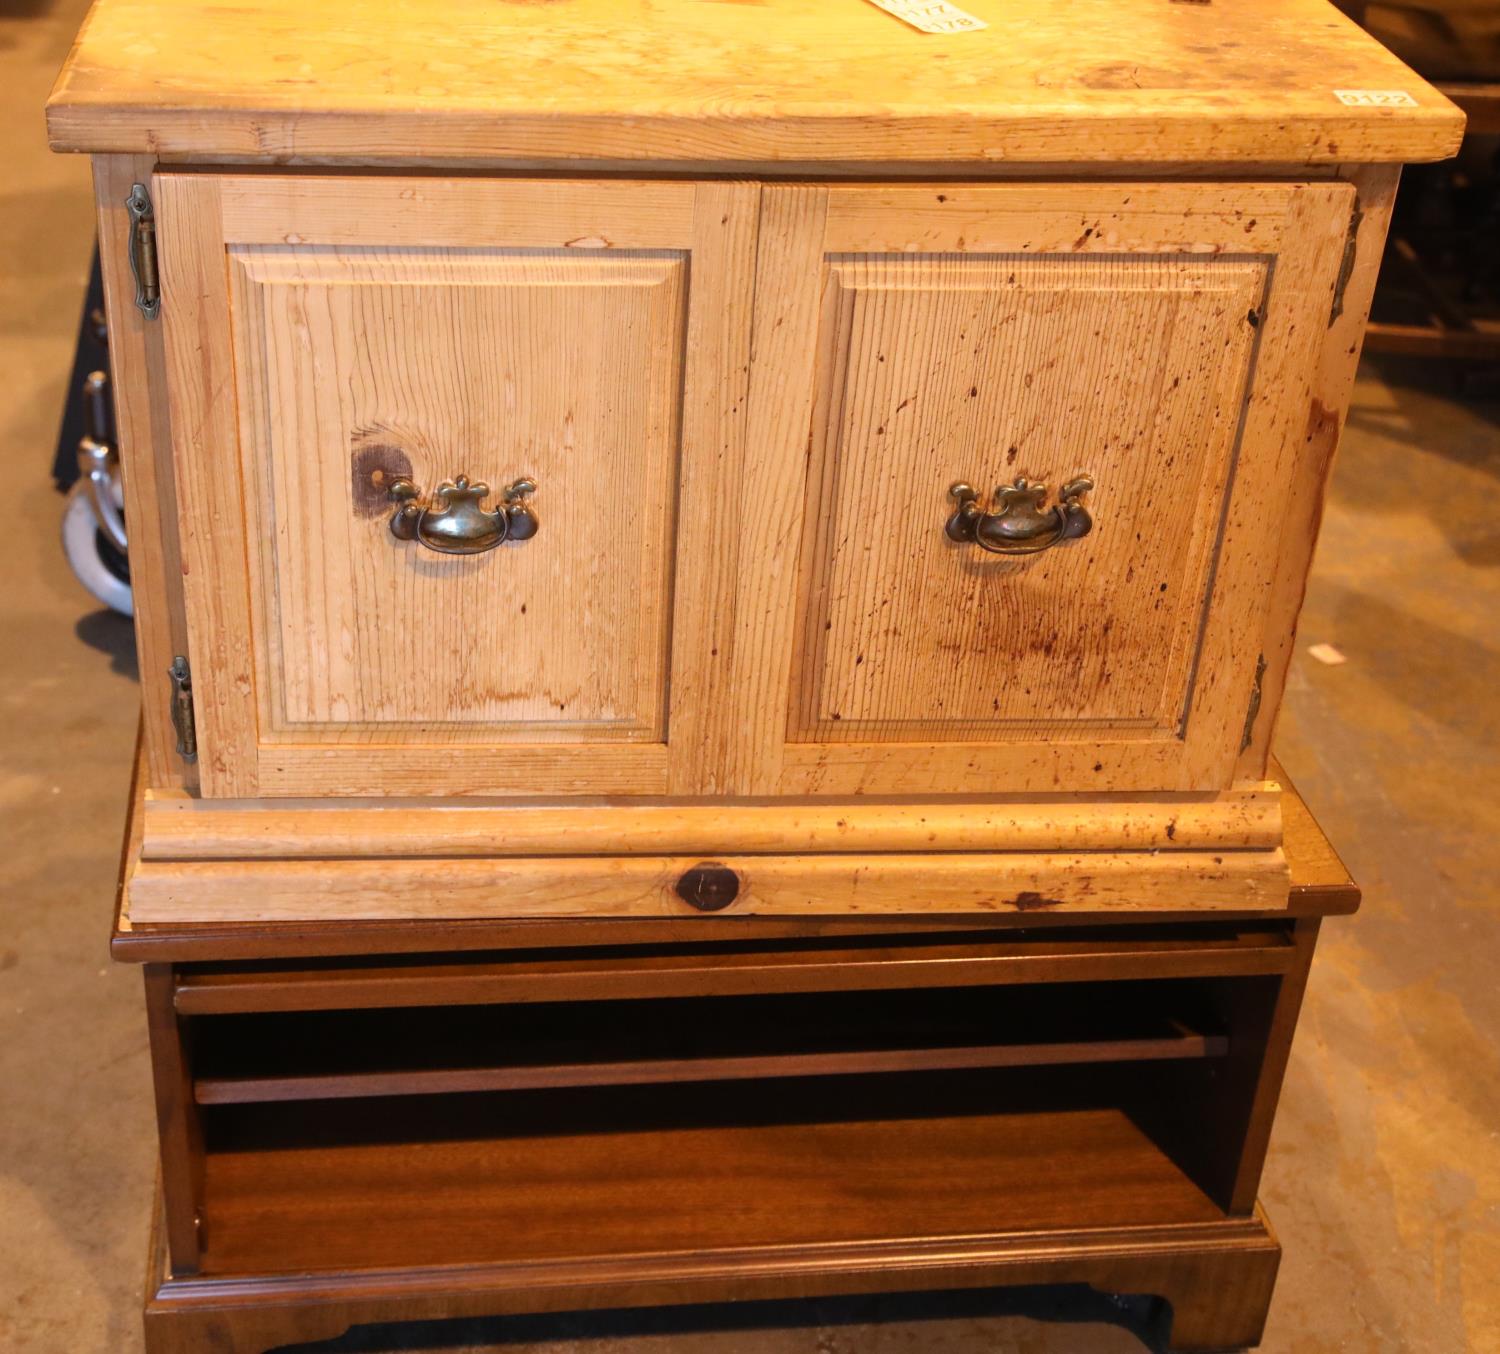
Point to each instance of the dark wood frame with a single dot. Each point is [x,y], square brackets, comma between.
[1217,1280]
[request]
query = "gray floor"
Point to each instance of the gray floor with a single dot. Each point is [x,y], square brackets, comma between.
[1384,1178]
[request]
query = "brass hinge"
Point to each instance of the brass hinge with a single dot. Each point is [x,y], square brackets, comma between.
[1346,266]
[1254,710]
[143,251]
[182,709]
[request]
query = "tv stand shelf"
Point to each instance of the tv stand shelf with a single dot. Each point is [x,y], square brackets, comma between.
[580,1116]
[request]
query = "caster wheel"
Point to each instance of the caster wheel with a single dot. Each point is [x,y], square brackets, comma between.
[100,566]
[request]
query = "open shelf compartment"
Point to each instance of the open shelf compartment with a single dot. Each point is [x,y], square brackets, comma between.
[341,1054]
[565,1177]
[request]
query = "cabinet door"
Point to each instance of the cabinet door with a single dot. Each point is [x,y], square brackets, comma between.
[330,337]
[1153,343]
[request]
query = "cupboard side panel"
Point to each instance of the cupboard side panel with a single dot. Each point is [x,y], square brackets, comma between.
[1271,456]
[1326,409]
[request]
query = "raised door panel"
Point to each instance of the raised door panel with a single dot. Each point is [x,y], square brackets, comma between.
[1155,339]
[989,368]
[561,369]
[331,338]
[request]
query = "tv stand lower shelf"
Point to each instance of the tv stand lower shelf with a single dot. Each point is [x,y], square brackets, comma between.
[367,1124]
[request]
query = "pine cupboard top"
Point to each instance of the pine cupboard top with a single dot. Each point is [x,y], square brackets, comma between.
[741,82]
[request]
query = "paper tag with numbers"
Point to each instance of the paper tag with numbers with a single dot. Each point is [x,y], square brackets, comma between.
[1375,98]
[931,16]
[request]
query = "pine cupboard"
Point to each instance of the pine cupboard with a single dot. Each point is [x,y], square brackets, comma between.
[747,459]
[713,582]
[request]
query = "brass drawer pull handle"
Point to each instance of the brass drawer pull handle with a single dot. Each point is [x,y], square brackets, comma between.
[1018,526]
[452,522]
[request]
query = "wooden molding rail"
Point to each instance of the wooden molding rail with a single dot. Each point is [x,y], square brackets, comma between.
[727,970]
[1015,883]
[660,1071]
[181,827]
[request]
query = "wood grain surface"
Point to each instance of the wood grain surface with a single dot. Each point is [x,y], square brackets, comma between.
[144,445]
[495,329]
[181,827]
[1019,883]
[1157,337]
[982,370]
[268,1088]
[1217,1278]
[1320,886]
[1306,488]
[560,367]
[1204,948]
[780,80]
[548,1194]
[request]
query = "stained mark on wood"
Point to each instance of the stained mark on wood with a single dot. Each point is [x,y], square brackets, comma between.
[1322,426]
[1346,264]
[372,468]
[1031,901]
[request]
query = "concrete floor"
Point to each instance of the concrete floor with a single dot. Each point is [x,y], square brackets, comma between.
[1384,1177]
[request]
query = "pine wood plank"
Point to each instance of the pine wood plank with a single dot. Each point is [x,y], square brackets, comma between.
[310,80]
[437,212]
[179,827]
[1293,321]
[1017,883]
[1322,418]
[142,429]
[1320,886]
[1044,218]
[736,712]
[211,519]
[711,491]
